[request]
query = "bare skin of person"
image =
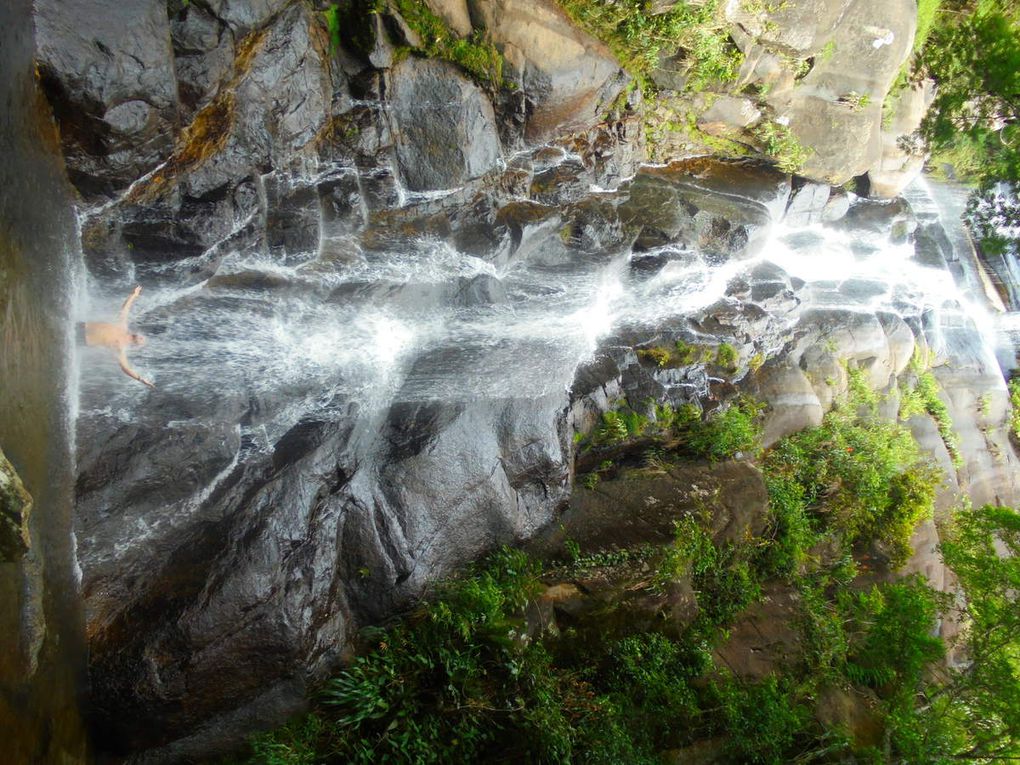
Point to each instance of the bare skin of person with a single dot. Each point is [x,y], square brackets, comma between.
[116,337]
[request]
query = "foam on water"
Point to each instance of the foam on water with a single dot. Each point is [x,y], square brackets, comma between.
[382,326]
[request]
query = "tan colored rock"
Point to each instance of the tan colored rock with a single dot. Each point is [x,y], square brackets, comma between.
[799,26]
[454,13]
[568,77]
[793,403]
[896,168]
[727,113]
[765,639]
[836,109]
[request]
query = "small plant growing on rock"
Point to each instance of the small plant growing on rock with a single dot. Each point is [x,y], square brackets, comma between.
[727,357]
[724,433]
[782,146]
[1014,402]
[613,428]
[924,399]
[856,101]
[657,354]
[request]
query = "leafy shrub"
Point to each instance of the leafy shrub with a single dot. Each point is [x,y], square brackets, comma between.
[779,143]
[923,398]
[764,720]
[475,55]
[1014,402]
[894,643]
[648,676]
[657,354]
[692,553]
[725,433]
[614,428]
[295,743]
[858,476]
[789,531]
[443,684]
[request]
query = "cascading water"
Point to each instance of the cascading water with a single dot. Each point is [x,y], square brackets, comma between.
[408,325]
[337,424]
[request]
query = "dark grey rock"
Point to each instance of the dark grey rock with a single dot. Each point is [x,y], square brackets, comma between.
[444,126]
[113,92]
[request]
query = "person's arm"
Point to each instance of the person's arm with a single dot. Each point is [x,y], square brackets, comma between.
[124,309]
[126,368]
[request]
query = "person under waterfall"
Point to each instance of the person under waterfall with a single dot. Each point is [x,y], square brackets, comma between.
[116,337]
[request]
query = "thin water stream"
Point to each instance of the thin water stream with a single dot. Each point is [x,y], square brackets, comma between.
[42,652]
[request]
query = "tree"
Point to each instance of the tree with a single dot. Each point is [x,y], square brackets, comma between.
[973,54]
[971,712]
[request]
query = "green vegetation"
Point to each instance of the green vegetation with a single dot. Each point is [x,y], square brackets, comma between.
[720,435]
[683,354]
[332,16]
[923,398]
[857,478]
[856,101]
[973,52]
[726,356]
[638,37]
[1014,402]
[780,144]
[827,52]
[475,55]
[474,675]
[724,433]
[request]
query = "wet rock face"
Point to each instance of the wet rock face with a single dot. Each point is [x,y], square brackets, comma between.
[232,534]
[114,92]
[445,126]
[693,204]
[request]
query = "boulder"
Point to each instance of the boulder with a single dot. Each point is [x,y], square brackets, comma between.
[203,55]
[836,109]
[808,203]
[896,168]
[444,125]
[793,403]
[114,93]
[568,78]
[800,27]
[454,12]
[695,204]
[728,113]
[245,15]
[642,506]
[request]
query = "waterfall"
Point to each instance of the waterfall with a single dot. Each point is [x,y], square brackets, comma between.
[41,617]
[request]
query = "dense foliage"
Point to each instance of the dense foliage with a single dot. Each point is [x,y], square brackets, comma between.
[719,434]
[973,54]
[857,476]
[471,676]
[971,48]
